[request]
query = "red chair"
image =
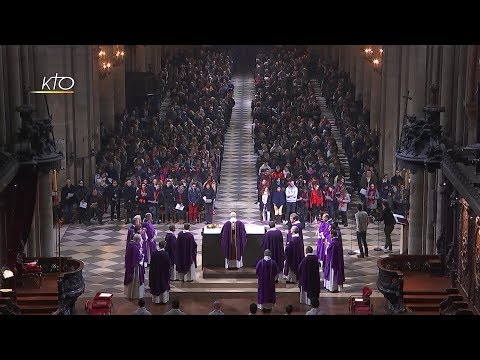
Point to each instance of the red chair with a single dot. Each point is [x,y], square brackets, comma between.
[100,305]
[360,305]
[31,273]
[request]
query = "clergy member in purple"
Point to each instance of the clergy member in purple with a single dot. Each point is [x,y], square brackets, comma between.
[294,219]
[294,254]
[141,231]
[267,269]
[273,240]
[149,246]
[186,255]
[134,270]
[159,275]
[323,234]
[309,277]
[233,238]
[131,230]
[171,249]
[334,269]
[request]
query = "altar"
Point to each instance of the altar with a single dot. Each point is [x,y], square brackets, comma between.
[212,255]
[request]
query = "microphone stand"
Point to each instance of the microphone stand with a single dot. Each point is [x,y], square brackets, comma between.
[378,248]
[351,252]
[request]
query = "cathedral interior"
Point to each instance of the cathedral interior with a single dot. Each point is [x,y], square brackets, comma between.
[93,135]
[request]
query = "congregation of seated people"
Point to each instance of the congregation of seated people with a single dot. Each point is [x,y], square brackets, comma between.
[360,142]
[299,169]
[169,165]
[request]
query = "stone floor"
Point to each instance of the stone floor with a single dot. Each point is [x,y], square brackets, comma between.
[102,248]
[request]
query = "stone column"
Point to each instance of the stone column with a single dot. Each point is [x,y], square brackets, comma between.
[14,87]
[381,123]
[33,243]
[404,86]
[341,57]
[433,225]
[430,231]
[3,99]
[367,84]
[375,99]
[446,88]
[392,104]
[461,86]
[159,57]
[140,61]
[359,76]
[94,136]
[118,75]
[440,204]
[353,63]
[83,110]
[107,104]
[41,57]
[25,67]
[419,88]
[436,64]
[419,102]
[47,239]
[415,229]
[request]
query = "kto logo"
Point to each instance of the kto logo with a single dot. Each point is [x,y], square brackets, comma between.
[56,85]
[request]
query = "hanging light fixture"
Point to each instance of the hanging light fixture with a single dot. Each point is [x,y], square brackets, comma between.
[119,56]
[105,64]
[373,54]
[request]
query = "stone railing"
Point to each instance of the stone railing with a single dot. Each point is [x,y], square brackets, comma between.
[390,276]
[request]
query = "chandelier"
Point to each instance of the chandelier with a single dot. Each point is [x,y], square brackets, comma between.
[108,57]
[105,64]
[118,56]
[374,56]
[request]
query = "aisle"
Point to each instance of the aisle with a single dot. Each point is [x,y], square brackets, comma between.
[238,179]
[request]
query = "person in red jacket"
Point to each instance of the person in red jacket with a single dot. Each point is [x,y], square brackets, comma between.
[277,174]
[316,202]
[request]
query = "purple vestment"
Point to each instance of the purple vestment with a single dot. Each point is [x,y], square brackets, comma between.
[309,276]
[240,240]
[149,241]
[131,232]
[322,229]
[334,260]
[266,272]
[149,230]
[133,257]
[186,252]
[298,224]
[159,275]
[273,240]
[171,247]
[294,254]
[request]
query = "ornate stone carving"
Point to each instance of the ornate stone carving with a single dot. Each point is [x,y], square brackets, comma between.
[35,139]
[70,286]
[421,138]
[461,182]
[390,284]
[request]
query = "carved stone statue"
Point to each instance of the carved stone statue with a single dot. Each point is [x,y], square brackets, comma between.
[35,136]
[434,94]
[421,139]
